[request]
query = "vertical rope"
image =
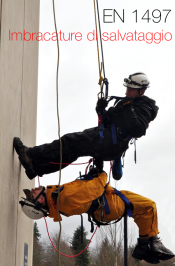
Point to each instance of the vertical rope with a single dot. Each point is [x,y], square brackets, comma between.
[58,135]
[99,64]
[100,38]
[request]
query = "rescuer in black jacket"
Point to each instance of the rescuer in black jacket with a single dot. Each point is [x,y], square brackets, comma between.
[130,116]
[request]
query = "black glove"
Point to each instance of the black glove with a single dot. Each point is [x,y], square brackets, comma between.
[101,105]
[127,101]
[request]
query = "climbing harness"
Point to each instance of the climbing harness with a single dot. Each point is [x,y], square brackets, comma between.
[116,132]
[95,205]
[102,203]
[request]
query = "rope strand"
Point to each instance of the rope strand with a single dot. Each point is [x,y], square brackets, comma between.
[58,133]
[99,64]
[73,256]
[100,39]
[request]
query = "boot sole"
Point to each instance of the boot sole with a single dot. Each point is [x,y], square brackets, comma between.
[146,259]
[163,256]
[17,144]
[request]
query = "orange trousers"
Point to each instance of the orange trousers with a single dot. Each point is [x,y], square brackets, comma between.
[144,212]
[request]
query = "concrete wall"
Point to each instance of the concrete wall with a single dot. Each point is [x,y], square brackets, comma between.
[18,108]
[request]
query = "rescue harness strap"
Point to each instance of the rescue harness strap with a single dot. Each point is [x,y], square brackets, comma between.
[95,205]
[121,133]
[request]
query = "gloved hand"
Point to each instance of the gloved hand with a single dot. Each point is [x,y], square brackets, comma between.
[127,101]
[101,105]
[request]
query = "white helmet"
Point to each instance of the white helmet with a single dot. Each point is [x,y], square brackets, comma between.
[137,81]
[33,211]
[32,208]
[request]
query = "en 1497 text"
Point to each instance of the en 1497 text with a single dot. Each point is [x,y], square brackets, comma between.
[156,15]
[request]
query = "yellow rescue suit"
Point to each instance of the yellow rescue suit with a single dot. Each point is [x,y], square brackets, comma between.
[77,197]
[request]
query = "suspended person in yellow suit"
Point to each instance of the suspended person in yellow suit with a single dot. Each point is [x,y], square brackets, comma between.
[87,195]
[129,118]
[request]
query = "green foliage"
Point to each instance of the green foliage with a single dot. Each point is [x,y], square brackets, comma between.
[36,231]
[77,246]
[37,246]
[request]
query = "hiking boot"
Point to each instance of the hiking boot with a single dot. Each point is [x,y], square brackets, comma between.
[159,250]
[142,251]
[24,157]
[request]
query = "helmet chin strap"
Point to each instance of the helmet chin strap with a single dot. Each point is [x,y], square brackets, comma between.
[41,193]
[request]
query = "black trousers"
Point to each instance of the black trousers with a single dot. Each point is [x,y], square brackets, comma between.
[75,145]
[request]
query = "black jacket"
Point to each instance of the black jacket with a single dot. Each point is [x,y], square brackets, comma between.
[133,115]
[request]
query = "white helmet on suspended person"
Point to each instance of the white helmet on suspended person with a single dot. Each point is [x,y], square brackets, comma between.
[137,81]
[33,208]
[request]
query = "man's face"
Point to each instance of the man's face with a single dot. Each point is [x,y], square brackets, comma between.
[132,93]
[35,191]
